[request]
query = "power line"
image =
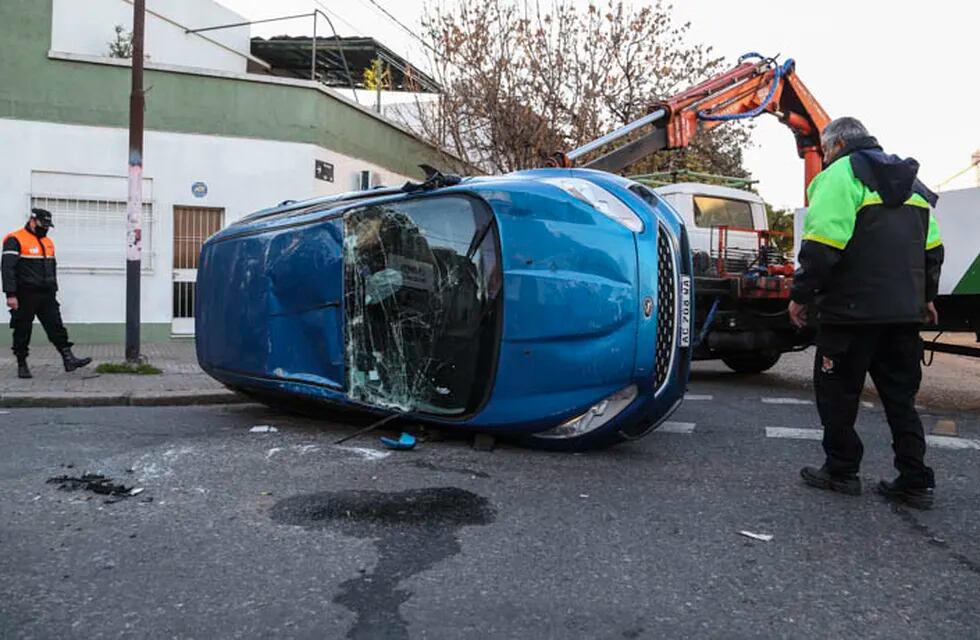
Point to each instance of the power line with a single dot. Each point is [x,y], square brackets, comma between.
[407,29]
[339,17]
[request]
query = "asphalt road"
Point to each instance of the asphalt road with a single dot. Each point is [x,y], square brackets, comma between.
[284,534]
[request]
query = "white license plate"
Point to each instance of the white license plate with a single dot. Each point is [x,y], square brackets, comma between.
[685,311]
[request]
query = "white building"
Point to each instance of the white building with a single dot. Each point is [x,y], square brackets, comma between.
[223,138]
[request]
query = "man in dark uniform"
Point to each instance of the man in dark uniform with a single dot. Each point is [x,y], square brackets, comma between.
[869,269]
[30,281]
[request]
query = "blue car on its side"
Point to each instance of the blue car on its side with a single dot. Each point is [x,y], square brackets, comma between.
[552,304]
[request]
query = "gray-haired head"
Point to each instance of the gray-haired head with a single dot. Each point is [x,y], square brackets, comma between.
[838,133]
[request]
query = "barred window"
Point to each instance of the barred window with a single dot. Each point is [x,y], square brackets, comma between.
[91,233]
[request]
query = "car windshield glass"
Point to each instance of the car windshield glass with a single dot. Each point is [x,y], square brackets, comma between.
[422,303]
[722,212]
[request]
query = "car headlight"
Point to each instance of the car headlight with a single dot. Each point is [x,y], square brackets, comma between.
[601,200]
[598,415]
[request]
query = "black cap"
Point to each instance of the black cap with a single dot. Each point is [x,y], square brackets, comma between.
[43,217]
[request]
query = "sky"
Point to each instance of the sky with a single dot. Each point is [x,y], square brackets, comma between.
[909,70]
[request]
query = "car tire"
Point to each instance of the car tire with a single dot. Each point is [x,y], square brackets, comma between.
[754,362]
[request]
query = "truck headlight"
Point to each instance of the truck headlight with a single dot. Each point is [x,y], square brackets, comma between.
[601,200]
[598,415]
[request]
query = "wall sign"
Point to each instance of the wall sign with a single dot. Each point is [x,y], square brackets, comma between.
[199,189]
[323,171]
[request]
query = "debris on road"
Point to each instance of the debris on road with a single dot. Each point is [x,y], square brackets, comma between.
[263,428]
[404,442]
[94,482]
[764,537]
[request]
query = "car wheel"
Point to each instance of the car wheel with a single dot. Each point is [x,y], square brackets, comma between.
[755,362]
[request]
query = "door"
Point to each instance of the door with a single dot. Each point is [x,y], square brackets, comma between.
[192,226]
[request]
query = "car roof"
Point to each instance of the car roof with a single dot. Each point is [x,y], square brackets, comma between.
[697,188]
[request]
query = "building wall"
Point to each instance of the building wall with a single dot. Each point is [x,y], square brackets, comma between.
[87,27]
[242,175]
[37,84]
[253,140]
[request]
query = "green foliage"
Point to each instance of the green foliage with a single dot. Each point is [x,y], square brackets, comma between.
[781,220]
[122,46]
[142,369]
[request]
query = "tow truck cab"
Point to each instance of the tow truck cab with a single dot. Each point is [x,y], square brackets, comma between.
[742,276]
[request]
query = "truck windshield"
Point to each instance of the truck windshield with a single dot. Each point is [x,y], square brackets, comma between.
[422,304]
[722,212]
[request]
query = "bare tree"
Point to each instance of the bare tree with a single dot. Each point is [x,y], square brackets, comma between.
[522,79]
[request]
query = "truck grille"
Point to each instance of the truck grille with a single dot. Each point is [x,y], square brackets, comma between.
[666,307]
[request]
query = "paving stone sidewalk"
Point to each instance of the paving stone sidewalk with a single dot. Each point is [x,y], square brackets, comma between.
[182,381]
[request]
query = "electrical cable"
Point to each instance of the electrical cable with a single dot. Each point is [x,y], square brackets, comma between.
[340,48]
[404,27]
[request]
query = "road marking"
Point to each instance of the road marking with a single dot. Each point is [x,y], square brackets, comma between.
[699,396]
[940,442]
[677,427]
[790,432]
[367,454]
[949,442]
[786,401]
[867,405]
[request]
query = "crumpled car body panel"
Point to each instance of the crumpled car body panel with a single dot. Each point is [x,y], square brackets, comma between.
[502,304]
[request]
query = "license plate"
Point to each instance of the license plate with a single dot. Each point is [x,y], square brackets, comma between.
[685,311]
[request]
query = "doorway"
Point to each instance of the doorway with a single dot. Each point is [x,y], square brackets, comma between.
[192,226]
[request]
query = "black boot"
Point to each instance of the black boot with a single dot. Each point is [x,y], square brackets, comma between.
[71,362]
[22,370]
[915,497]
[823,479]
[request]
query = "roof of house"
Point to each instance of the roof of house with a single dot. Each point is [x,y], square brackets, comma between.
[340,61]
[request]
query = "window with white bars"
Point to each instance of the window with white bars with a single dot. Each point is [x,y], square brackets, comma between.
[90,233]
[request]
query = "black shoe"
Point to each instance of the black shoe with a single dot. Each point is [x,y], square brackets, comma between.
[22,370]
[71,362]
[917,498]
[823,479]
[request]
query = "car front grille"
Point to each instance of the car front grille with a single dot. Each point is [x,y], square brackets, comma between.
[666,307]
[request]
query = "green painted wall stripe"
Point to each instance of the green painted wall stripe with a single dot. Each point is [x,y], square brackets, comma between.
[96,333]
[970,282]
[34,87]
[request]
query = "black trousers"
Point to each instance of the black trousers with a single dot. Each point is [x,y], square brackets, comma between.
[891,354]
[44,305]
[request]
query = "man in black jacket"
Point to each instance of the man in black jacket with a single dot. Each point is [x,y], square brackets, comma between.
[30,280]
[869,271]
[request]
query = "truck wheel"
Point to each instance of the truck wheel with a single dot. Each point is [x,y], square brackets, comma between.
[755,362]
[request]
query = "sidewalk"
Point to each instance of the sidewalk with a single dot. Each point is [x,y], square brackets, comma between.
[182,381]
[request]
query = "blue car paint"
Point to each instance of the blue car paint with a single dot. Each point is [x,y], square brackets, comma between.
[270,304]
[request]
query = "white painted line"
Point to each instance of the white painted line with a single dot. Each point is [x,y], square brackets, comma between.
[950,442]
[699,396]
[789,432]
[786,401]
[867,405]
[367,454]
[263,428]
[677,427]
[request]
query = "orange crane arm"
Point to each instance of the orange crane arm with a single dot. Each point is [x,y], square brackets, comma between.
[745,91]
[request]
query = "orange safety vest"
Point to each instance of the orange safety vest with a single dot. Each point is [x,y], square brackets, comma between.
[31,265]
[30,245]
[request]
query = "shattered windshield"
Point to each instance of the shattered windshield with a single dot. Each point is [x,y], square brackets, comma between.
[422,304]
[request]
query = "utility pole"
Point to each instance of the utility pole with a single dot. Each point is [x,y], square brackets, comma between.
[134,203]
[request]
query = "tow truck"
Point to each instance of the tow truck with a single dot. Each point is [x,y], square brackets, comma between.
[743,273]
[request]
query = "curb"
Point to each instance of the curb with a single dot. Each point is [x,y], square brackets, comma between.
[60,399]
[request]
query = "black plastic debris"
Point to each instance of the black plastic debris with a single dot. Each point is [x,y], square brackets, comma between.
[97,483]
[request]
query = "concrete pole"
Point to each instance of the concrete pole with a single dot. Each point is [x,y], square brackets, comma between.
[134,204]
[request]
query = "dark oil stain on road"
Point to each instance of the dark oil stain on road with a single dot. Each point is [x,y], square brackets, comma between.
[414,530]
